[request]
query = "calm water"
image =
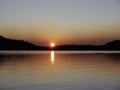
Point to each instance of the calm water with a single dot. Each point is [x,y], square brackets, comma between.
[59,70]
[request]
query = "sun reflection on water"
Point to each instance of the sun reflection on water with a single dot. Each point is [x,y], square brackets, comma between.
[52,57]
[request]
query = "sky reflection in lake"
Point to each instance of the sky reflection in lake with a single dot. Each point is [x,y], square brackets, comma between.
[53,70]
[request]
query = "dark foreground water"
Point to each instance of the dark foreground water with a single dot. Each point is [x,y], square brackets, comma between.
[59,70]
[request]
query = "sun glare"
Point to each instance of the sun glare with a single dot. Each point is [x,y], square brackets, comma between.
[52,45]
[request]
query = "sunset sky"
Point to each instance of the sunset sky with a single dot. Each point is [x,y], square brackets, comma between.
[60,21]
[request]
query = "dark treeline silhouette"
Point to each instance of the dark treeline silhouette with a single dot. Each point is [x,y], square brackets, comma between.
[113,45]
[10,44]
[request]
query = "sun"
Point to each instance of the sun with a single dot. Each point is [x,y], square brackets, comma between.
[52,44]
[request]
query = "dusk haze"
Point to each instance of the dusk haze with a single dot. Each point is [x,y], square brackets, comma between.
[61,21]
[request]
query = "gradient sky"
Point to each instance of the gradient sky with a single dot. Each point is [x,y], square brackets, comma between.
[60,21]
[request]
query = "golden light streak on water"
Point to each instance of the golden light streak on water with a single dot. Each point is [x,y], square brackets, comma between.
[52,57]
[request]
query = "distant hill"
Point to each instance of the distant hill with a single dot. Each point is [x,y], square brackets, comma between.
[11,44]
[113,45]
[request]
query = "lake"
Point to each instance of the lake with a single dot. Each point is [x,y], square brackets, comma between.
[59,70]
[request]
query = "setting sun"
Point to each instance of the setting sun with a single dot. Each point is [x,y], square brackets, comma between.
[52,45]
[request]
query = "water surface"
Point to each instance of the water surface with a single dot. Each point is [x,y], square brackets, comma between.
[59,70]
